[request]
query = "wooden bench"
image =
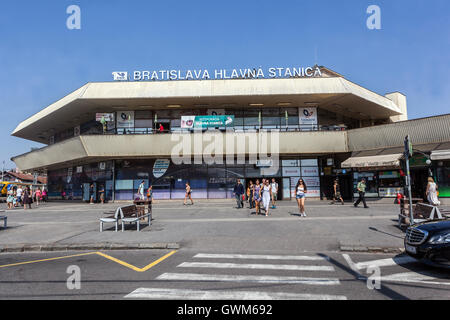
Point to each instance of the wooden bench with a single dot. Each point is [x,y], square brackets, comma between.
[422,212]
[131,214]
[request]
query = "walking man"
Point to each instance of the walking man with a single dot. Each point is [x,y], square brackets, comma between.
[361,187]
[238,193]
[274,191]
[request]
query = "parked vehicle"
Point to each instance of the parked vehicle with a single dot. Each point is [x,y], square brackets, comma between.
[430,242]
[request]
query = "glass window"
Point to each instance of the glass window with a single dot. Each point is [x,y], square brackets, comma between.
[251,118]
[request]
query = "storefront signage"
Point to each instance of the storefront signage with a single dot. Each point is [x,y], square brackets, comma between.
[205,74]
[160,167]
[125,119]
[389,192]
[192,122]
[79,169]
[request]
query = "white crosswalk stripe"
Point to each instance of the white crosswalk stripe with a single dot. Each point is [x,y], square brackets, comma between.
[185,294]
[258,256]
[247,278]
[282,270]
[255,266]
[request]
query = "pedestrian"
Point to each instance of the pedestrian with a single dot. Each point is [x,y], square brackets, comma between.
[431,192]
[251,190]
[44,195]
[257,196]
[301,191]
[19,193]
[161,128]
[267,195]
[337,192]
[10,199]
[361,188]
[91,194]
[27,198]
[274,187]
[141,190]
[38,196]
[150,194]
[188,193]
[238,192]
[102,194]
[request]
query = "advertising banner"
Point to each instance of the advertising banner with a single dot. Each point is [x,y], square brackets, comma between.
[160,167]
[291,172]
[307,118]
[193,122]
[125,119]
[106,116]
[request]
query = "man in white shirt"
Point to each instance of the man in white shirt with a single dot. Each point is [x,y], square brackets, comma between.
[274,190]
[19,194]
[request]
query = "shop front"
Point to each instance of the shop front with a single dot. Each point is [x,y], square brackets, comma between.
[441,164]
[382,174]
[120,178]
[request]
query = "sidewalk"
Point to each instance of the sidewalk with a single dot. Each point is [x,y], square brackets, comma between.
[207,225]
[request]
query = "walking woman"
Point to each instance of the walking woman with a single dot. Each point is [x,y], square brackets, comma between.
[27,199]
[300,190]
[38,196]
[257,197]
[250,191]
[431,192]
[188,194]
[337,193]
[267,196]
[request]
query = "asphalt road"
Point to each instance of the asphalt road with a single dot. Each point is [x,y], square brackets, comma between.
[240,274]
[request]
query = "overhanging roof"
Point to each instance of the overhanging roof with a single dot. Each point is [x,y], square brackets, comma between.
[331,93]
[389,160]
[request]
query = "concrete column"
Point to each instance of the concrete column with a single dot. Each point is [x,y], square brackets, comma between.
[400,100]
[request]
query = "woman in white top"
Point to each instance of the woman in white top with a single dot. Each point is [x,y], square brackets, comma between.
[432,192]
[300,194]
[266,196]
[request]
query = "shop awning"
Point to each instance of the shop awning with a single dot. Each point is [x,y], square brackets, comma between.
[440,155]
[389,160]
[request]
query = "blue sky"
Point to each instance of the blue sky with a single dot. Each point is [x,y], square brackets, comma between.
[41,60]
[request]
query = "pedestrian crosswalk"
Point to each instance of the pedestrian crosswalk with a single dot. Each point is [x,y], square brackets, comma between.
[271,277]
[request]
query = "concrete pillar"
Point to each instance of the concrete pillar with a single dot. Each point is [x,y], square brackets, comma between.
[400,100]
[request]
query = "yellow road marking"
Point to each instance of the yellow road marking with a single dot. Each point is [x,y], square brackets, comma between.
[123,263]
[134,267]
[50,259]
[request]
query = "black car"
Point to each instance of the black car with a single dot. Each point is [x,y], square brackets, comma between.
[430,242]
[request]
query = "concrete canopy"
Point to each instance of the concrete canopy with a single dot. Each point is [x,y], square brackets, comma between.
[331,93]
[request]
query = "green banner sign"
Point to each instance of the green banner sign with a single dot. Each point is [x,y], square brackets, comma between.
[193,122]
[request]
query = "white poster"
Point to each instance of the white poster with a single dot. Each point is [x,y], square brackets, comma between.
[289,163]
[187,122]
[307,118]
[309,163]
[313,192]
[125,119]
[312,181]
[291,172]
[310,171]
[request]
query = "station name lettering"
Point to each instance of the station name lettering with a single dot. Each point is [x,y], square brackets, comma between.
[204,74]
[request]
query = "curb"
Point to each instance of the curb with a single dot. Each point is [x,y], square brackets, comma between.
[370,249]
[82,246]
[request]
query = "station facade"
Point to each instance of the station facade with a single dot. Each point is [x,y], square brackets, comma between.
[211,132]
